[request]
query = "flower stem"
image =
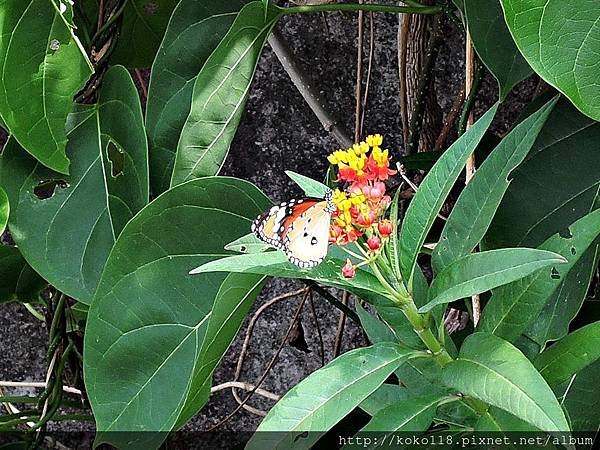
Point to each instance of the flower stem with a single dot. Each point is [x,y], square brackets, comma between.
[362,7]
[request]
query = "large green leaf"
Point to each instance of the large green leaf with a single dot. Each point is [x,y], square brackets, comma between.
[376,330]
[557,184]
[513,306]
[18,281]
[570,355]
[432,192]
[142,31]
[492,370]
[473,212]
[563,52]
[494,44]
[65,226]
[4,210]
[276,264]
[581,399]
[413,414]
[43,66]
[220,93]
[194,31]
[481,272]
[170,327]
[323,398]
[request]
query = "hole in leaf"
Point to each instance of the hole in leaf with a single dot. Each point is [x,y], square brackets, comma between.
[116,158]
[54,44]
[566,233]
[573,251]
[46,188]
[555,274]
[243,249]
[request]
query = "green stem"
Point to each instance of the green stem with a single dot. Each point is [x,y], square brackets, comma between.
[362,7]
[418,322]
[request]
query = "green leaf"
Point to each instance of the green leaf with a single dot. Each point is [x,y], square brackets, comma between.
[377,331]
[323,398]
[220,93]
[565,303]
[4,210]
[556,185]
[18,281]
[65,226]
[43,67]
[494,44]
[581,399]
[194,31]
[311,188]
[497,420]
[385,395]
[492,370]
[481,272]
[571,354]
[248,243]
[473,211]
[142,30]
[432,192]
[393,247]
[276,264]
[563,52]
[412,414]
[170,327]
[513,306]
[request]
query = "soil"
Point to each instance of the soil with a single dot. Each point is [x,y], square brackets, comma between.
[279,132]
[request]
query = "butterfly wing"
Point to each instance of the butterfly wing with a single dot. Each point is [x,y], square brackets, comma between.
[300,228]
[271,225]
[306,235]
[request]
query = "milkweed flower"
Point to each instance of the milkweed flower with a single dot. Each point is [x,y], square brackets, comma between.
[362,200]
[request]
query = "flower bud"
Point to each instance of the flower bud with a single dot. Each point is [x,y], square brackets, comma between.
[374,242]
[385,227]
[348,270]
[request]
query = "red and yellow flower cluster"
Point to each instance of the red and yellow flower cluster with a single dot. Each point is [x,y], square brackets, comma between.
[363,168]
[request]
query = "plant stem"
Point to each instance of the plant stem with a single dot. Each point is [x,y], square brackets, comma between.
[419,324]
[362,7]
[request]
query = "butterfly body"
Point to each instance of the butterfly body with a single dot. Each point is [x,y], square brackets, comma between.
[299,227]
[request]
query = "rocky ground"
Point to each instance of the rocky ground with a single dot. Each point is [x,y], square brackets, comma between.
[280,132]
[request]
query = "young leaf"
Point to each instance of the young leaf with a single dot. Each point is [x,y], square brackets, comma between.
[311,188]
[220,93]
[43,67]
[394,245]
[4,210]
[18,281]
[480,272]
[487,361]
[571,354]
[322,399]
[146,300]
[430,197]
[81,215]
[494,44]
[142,31]
[413,414]
[194,31]
[513,306]
[477,204]
[570,65]
[276,264]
